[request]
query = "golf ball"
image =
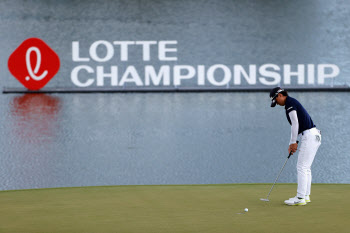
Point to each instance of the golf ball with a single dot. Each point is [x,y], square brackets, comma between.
[246,209]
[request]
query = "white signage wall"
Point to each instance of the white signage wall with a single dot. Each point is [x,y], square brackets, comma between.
[176,44]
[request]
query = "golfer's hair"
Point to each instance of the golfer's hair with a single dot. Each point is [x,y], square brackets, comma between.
[285,93]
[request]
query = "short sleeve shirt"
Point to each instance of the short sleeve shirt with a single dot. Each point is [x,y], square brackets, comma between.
[304,119]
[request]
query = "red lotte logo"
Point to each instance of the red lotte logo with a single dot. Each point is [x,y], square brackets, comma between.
[34,63]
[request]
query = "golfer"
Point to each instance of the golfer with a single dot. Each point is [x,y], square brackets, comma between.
[303,127]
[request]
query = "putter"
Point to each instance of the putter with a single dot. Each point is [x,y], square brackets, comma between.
[267,198]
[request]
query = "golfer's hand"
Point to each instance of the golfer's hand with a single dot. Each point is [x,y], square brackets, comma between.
[293,148]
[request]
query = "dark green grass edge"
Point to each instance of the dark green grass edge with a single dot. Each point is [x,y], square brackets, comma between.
[157,185]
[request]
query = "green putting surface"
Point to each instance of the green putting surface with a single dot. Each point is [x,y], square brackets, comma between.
[177,208]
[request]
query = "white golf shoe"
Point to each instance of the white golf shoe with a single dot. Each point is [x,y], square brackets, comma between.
[307,198]
[295,201]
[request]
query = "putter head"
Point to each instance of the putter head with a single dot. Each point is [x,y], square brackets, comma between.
[264,199]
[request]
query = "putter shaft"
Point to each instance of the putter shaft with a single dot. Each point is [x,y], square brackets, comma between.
[277,177]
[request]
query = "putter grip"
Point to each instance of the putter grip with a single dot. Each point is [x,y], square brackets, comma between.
[291,152]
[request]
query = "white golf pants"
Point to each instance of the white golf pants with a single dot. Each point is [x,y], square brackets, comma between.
[310,142]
